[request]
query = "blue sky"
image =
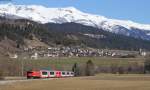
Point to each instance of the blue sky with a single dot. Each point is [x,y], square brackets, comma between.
[135,10]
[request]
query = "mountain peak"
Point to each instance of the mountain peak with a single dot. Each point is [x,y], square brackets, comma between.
[71,8]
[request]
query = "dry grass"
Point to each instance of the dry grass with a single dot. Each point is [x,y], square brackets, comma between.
[100,82]
[67,63]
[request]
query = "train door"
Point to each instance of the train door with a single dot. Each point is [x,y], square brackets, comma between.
[58,74]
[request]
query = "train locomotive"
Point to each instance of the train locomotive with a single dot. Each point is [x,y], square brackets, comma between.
[49,74]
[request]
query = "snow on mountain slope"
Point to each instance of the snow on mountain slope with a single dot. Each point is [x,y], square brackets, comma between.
[70,14]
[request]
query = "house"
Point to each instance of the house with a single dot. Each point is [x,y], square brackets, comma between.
[14,56]
[34,56]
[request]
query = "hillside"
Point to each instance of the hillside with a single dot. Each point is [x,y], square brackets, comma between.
[96,38]
[17,34]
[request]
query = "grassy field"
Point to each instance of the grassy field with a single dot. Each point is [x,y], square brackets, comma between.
[67,63]
[7,66]
[99,82]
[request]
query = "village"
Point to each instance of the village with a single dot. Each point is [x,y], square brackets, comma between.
[41,52]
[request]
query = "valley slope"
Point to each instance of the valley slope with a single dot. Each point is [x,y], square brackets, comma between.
[16,34]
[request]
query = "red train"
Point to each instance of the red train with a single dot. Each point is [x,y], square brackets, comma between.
[49,74]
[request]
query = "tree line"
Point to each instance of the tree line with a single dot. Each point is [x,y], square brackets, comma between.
[13,68]
[89,69]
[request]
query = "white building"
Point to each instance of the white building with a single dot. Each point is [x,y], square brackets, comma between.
[34,56]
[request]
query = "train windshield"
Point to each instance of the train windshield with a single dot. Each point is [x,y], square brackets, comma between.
[29,72]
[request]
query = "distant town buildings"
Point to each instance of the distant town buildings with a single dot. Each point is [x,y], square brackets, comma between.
[40,52]
[142,52]
[14,56]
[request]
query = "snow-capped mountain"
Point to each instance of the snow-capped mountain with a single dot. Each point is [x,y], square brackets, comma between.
[70,14]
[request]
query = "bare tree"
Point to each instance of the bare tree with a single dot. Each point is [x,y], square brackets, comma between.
[90,70]
[147,65]
[1,75]
[75,69]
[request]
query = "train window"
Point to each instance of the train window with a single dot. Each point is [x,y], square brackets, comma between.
[44,73]
[51,73]
[63,73]
[72,73]
[67,73]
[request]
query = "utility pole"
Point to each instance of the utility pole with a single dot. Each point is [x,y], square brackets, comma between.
[22,68]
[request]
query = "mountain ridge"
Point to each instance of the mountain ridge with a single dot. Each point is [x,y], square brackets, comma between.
[16,36]
[44,15]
